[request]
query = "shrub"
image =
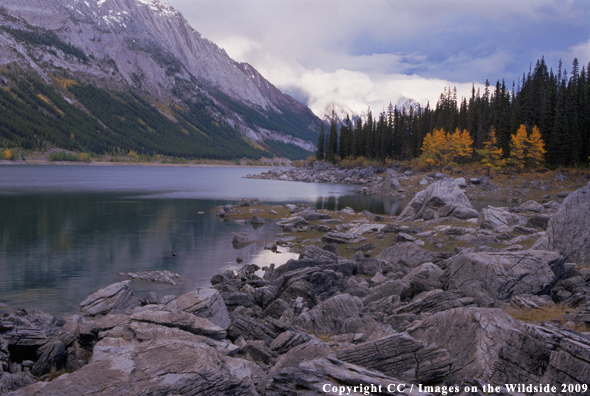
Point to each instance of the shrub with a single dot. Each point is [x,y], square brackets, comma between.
[62,156]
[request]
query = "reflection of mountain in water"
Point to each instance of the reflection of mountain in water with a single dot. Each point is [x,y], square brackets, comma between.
[62,247]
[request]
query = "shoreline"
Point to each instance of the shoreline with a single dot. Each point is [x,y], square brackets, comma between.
[108,163]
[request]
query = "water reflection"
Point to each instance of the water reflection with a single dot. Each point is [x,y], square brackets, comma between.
[374,204]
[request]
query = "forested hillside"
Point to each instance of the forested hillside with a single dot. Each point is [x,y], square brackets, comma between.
[558,103]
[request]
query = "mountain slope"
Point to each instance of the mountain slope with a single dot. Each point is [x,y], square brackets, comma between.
[143,54]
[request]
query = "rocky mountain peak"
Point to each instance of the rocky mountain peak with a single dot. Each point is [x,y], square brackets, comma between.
[150,46]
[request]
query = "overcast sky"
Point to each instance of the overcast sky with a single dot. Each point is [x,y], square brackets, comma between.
[372,52]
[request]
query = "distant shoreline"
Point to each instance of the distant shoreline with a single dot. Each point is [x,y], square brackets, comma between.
[122,163]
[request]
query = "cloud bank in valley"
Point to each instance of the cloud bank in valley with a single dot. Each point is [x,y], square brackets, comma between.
[371,53]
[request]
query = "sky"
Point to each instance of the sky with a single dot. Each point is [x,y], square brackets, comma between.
[369,53]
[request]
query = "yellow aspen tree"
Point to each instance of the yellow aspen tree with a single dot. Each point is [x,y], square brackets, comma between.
[535,147]
[518,146]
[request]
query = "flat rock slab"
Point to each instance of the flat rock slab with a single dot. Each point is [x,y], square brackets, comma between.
[400,356]
[182,320]
[342,237]
[118,297]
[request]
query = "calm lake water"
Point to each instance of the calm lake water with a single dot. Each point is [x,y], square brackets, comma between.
[65,231]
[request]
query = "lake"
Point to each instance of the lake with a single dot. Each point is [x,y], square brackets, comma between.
[65,231]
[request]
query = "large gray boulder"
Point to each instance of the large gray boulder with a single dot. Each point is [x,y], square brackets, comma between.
[568,231]
[498,219]
[400,356]
[492,346]
[404,256]
[441,199]
[206,303]
[118,297]
[315,377]
[336,315]
[494,277]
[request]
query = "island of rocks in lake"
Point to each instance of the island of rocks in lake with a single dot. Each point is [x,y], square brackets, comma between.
[426,301]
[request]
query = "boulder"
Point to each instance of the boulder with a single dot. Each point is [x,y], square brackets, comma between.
[310,215]
[405,256]
[292,223]
[288,340]
[181,320]
[441,199]
[498,219]
[485,343]
[206,303]
[252,329]
[488,344]
[400,356]
[257,220]
[164,366]
[568,231]
[52,355]
[314,377]
[163,277]
[118,297]
[336,315]
[529,206]
[425,277]
[493,277]
[434,301]
[342,237]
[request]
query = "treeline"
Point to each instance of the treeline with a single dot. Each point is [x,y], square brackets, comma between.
[558,103]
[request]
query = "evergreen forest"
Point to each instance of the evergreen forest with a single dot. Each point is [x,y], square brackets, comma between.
[557,103]
[35,115]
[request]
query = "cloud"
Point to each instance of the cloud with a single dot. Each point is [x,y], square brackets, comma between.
[370,53]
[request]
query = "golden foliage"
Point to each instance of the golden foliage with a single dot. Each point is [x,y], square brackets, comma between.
[518,146]
[525,147]
[536,147]
[441,148]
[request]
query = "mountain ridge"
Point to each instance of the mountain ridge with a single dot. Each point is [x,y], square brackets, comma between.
[150,48]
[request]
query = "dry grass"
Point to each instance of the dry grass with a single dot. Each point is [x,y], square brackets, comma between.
[546,314]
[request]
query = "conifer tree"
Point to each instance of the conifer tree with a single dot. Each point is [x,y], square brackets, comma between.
[332,146]
[518,147]
[491,154]
[320,154]
[535,147]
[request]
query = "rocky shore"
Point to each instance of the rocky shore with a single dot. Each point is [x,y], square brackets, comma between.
[424,303]
[399,181]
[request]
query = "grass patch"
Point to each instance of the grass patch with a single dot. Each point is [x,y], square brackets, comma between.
[546,314]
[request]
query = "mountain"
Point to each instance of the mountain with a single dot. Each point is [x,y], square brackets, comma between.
[120,75]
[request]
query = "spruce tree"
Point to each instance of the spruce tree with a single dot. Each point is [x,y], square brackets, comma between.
[320,154]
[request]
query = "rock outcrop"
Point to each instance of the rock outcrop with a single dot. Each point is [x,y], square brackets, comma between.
[568,231]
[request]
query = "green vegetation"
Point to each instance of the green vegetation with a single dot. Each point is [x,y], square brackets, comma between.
[37,117]
[63,156]
[557,104]
[288,150]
